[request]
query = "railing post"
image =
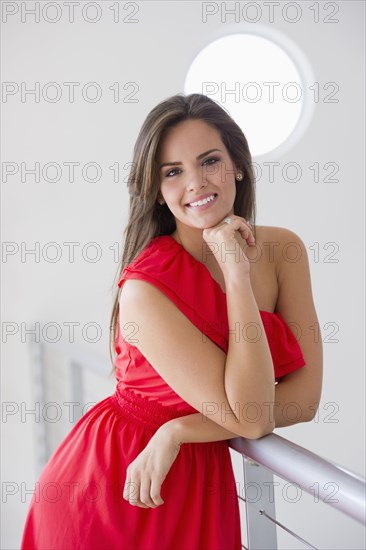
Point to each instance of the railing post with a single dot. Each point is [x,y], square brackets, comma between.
[259,495]
[76,388]
[39,392]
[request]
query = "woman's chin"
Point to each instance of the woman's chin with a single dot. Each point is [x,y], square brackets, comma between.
[205,222]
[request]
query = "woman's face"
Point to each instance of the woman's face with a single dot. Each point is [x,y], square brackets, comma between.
[191,171]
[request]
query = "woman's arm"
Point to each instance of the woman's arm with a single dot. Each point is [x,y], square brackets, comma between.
[299,392]
[297,395]
[198,428]
[203,373]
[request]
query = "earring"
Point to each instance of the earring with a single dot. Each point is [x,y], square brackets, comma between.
[239,176]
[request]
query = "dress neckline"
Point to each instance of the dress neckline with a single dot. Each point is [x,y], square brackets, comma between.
[181,247]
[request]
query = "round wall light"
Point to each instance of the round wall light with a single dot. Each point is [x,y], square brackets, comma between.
[262,79]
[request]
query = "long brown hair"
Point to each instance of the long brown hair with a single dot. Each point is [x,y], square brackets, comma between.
[147,218]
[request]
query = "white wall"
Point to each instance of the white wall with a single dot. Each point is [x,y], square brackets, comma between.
[155,53]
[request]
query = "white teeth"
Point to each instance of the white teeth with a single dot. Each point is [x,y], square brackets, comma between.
[204,201]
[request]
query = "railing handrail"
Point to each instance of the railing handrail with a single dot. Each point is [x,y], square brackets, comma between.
[304,468]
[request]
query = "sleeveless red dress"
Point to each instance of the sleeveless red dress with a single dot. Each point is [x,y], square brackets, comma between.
[78,503]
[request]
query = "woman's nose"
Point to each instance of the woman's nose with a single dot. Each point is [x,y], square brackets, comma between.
[197,180]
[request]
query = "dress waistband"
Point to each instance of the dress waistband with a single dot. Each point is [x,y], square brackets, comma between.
[135,407]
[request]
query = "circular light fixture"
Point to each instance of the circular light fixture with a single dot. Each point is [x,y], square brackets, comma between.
[262,79]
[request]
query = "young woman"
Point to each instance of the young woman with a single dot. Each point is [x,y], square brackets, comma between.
[205,353]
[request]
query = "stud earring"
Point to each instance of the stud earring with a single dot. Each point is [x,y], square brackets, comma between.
[239,176]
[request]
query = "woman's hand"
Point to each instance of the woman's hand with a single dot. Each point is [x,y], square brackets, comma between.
[147,472]
[222,239]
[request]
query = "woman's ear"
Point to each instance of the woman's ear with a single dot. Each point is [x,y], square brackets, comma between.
[238,173]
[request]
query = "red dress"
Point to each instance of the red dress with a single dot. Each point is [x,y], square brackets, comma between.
[79,504]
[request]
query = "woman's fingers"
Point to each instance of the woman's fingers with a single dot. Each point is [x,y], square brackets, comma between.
[245,229]
[145,493]
[131,491]
[127,488]
[252,240]
[132,494]
[155,491]
[220,239]
[145,474]
[249,237]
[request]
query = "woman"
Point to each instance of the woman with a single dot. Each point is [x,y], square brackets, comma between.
[202,356]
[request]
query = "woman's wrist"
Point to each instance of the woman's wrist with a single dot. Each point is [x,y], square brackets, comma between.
[170,432]
[194,428]
[238,280]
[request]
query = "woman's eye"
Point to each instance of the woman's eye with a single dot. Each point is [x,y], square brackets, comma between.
[170,171]
[175,169]
[212,158]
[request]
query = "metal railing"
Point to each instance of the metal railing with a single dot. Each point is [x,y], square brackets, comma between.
[272,454]
[262,458]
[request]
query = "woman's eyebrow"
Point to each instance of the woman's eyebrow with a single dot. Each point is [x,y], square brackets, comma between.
[173,163]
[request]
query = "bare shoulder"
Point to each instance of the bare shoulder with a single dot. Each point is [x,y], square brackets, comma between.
[265,231]
[281,246]
[292,271]
[276,234]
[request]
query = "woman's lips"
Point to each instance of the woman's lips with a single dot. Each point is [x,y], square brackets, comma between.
[203,206]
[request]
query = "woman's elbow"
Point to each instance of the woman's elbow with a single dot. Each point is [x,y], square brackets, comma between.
[310,412]
[257,430]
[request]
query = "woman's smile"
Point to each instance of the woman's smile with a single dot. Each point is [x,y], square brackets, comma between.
[204,203]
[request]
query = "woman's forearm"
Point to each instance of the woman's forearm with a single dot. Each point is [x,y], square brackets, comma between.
[249,371]
[195,428]
[198,428]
